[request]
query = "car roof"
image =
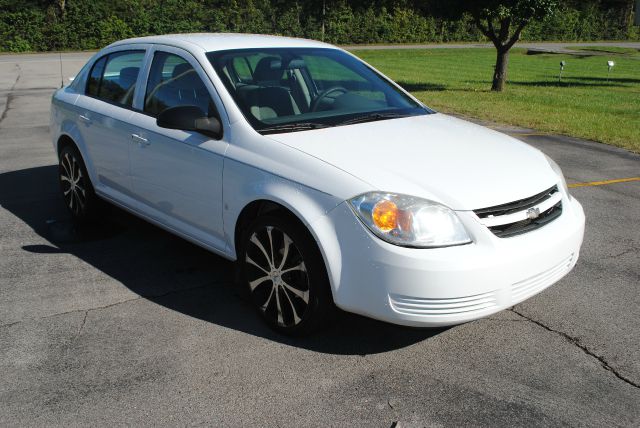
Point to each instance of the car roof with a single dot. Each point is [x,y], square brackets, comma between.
[224,41]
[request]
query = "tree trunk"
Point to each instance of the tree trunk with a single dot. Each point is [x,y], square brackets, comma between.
[62,6]
[500,74]
[627,17]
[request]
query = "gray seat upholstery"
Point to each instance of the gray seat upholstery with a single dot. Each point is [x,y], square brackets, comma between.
[268,102]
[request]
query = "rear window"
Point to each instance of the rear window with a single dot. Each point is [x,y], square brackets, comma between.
[113,77]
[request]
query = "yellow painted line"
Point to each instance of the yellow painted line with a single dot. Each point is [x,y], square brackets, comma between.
[605,182]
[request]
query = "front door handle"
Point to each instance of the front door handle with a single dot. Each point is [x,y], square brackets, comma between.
[140,140]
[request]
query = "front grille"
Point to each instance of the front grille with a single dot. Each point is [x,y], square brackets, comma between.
[513,219]
[516,206]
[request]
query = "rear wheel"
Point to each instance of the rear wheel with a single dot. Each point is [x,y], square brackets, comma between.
[76,188]
[283,270]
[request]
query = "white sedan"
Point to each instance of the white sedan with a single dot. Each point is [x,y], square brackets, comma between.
[326,181]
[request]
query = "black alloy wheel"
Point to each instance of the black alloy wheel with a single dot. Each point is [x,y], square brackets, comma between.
[75,185]
[285,275]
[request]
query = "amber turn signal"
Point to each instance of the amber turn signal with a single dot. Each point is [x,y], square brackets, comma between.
[385,215]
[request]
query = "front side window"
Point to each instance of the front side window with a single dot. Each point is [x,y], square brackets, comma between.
[174,82]
[288,89]
[113,77]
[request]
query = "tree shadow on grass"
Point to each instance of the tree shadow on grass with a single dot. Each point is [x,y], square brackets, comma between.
[172,272]
[568,82]
[607,80]
[418,87]
[421,86]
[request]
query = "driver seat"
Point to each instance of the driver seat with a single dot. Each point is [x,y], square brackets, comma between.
[265,98]
[268,102]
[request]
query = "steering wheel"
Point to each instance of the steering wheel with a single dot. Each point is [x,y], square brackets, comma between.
[325,94]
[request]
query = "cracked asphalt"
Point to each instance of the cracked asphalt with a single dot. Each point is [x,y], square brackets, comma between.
[124,324]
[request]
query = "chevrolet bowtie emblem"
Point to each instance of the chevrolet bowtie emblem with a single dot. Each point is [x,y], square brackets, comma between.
[533,213]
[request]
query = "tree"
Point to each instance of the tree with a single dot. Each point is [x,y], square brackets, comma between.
[501,21]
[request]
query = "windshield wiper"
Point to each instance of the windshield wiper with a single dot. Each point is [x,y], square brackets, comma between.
[292,127]
[372,117]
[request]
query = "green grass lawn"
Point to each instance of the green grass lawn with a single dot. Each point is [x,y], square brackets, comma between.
[585,104]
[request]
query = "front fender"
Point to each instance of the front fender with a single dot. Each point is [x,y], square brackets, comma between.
[244,184]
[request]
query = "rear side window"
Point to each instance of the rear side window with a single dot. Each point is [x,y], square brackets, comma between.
[174,82]
[93,83]
[113,77]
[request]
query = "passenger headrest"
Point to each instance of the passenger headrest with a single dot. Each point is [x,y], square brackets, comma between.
[180,69]
[128,76]
[268,69]
[188,80]
[296,63]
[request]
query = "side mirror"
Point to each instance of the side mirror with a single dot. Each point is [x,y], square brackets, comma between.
[190,118]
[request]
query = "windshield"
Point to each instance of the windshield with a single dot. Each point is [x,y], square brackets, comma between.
[294,89]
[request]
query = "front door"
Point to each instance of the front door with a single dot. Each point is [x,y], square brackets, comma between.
[176,174]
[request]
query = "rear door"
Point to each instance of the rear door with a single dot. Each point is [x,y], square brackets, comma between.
[104,118]
[177,174]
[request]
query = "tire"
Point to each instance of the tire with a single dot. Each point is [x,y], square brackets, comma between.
[75,186]
[284,274]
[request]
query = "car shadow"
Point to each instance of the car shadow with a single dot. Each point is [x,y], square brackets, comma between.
[172,272]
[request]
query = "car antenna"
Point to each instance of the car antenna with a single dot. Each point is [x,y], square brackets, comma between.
[61,76]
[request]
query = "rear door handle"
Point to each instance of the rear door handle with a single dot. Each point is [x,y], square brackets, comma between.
[85,118]
[140,140]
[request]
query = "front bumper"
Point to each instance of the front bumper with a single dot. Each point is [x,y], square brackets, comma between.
[445,286]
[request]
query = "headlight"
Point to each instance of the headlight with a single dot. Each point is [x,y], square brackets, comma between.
[558,171]
[409,221]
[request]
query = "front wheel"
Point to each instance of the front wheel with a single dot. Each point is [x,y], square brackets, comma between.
[282,268]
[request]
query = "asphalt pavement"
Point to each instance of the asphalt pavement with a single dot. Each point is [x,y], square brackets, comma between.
[125,324]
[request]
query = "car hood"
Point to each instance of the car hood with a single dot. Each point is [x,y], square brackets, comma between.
[460,164]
